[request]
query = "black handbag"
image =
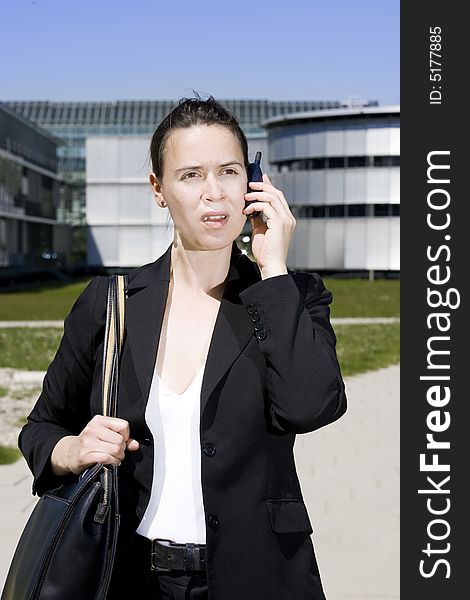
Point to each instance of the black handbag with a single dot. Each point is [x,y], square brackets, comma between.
[67,549]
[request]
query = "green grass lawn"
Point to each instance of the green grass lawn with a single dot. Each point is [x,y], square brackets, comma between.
[351,298]
[51,302]
[363,298]
[28,349]
[360,347]
[8,455]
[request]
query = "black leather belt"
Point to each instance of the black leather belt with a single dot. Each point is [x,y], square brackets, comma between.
[169,556]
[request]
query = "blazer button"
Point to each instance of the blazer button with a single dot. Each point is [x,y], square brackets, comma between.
[209,449]
[261,335]
[251,309]
[255,316]
[213,521]
[258,326]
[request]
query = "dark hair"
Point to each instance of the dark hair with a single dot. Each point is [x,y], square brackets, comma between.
[189,112]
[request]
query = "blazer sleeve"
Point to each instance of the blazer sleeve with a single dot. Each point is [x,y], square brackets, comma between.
[63,407]
[304,383]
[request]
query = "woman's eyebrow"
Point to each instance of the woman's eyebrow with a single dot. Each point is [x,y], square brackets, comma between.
[227,164]
[233,162]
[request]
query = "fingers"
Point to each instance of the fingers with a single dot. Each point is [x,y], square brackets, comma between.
[132,445]
[105,440]
[265,191]
[120,426]
[267,186]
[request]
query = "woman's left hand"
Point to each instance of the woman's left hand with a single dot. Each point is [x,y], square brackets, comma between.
[270,241]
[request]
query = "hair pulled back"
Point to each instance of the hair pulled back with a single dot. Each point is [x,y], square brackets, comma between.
[189,112]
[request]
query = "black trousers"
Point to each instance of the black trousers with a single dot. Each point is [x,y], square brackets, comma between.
[132,578]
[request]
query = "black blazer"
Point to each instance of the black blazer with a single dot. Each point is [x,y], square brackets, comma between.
[271,372]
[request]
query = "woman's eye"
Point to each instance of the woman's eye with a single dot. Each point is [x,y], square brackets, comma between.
[190,175]
[230,171]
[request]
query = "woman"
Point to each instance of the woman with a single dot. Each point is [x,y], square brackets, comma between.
[225,360]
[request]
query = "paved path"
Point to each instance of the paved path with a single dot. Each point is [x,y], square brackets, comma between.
[338,321]
[349,472]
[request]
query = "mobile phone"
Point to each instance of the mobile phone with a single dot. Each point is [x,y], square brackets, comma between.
[255,174]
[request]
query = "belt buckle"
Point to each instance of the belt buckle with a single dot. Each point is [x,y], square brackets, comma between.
[154,567]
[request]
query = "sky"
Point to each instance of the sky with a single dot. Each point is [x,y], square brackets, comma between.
[165,49]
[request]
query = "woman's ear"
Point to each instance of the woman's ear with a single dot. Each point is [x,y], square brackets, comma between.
[157,190]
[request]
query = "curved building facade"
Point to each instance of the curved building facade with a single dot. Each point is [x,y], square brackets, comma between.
[340,172]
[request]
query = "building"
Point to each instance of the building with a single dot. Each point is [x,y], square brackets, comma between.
[31,195]
[73,122]
[343,193]
[340,171]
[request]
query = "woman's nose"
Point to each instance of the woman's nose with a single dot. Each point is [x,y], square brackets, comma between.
[213,189]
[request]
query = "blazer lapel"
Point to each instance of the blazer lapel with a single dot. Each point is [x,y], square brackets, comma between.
[233,329]
[147,292]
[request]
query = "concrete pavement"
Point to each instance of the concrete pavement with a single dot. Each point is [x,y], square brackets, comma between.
[349,472]
[350,478]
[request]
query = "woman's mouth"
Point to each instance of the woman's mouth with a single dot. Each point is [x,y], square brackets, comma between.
[215,220]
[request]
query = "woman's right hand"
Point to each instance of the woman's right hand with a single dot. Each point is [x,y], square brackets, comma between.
[103,440]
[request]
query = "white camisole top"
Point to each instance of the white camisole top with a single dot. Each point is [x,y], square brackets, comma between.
[175,510]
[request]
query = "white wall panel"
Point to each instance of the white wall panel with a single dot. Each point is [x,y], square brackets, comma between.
[134,245]
[316,144]
[102,156]
[394,247]
[302,189]
[315,244]
[394,185]
[355,245]
[317,187]
[378,240]
[134,157]
[355,141]
[334,142]
[136,204]
[301,145]
[378,185]
[395,141]
[334,239]
[377,142]
[355,186]
[103,246]
[286,147]
[334,186]
[102,204]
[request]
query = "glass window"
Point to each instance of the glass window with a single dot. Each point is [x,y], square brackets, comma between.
[382,210]
[336,162]
[356,161]
[316,163]
[335,211]
[356,210]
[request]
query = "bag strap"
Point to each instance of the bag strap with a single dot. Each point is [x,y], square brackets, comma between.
[113,341]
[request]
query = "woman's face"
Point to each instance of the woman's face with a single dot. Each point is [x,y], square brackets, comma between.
[203,172]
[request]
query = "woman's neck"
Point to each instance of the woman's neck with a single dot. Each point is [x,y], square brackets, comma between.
[199,271]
